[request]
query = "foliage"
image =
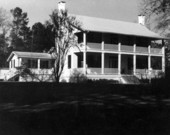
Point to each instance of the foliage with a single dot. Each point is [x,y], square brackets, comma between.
[103,81]
[20,34]
[5,25]
[42,37]
[38,33]
[160,9]
[63,28]
[49,35]
[77,77]
[29,75]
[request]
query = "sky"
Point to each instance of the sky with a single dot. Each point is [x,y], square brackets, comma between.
[39,10]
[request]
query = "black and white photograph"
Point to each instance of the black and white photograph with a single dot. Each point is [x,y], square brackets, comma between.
[84,67]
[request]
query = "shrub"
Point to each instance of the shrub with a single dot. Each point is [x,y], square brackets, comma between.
[77,77]
[103,81]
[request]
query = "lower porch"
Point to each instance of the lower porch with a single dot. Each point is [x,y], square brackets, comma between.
[113,65]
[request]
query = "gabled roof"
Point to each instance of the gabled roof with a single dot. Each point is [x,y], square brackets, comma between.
[33,55]
[118,27]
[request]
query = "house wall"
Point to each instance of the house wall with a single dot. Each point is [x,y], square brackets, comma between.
[14,62]
[3,73]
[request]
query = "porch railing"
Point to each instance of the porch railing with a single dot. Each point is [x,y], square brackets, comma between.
[141,49]
[111,70]
[111,47]
[156,51]
[94,46]
[99,70]
[94,70]
[126,48]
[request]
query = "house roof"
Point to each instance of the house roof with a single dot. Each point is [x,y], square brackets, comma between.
[33,55]
[117,27]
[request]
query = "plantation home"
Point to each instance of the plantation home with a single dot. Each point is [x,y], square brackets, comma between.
[108,49]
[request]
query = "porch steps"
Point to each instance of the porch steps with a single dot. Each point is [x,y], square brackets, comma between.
[14,78]
[129,79]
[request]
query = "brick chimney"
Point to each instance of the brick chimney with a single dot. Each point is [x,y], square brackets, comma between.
[62,5]
[141,19]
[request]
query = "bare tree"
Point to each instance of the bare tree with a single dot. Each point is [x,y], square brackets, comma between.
[5,26]
[63,28]
[158,14]
[5,22]
[160,11]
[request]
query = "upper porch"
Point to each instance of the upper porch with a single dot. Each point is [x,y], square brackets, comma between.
[113,43]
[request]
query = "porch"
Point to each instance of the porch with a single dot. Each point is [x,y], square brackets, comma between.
[96,41]
[109,64]
[31,63]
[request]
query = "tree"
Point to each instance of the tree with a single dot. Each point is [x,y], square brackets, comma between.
[5,22]
[159,10]
[49,34]
[43,37]
[5,25]
[63,29]
[20,34]
[38,35]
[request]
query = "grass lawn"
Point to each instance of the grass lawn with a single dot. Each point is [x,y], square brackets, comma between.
[83,110]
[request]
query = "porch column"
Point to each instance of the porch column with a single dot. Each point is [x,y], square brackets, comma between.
[134,47]
[149,49]
[134,64]
[149,57]
[134,57]
[163,56]
[102,63]
[119,64]
[119,55]
[38,63]
[20,62]
[10,64]
[119,44]
[84,53]
[102,47]
[149,62]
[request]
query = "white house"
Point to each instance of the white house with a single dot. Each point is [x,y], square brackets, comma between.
[110,49]
[38,63]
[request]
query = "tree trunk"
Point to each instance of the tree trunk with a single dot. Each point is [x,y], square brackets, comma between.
[57,79]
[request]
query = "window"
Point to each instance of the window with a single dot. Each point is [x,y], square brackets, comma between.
[32,64]
[144,42]
[113,62]
[141,62]
[80,37]
[110,39]
[44,64]
[52,63]
[156,63]
[69,61]
[80,60]
[127,40]
[94,37]
[94,60]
